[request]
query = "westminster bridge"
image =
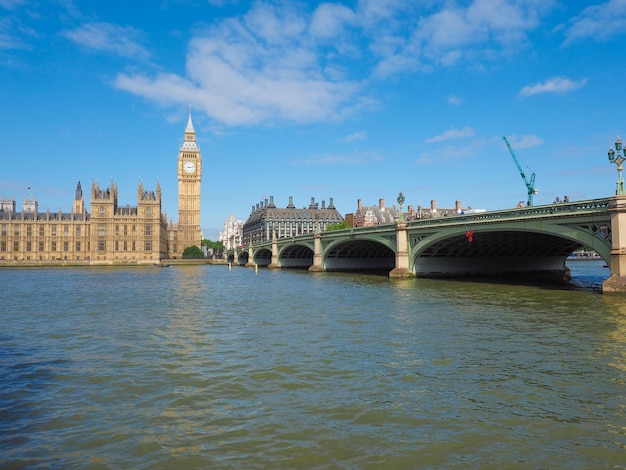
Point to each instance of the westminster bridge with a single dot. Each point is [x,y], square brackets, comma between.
[531,241]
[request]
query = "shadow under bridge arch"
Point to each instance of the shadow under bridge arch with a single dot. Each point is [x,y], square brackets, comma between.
[359,255]
[295,256]
[493,253]
[262,257]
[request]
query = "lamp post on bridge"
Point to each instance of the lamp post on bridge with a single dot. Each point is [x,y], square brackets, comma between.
[618,160]
[400,202]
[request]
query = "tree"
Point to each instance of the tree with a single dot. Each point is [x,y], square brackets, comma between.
[215,246]
[193,252]
[340,226]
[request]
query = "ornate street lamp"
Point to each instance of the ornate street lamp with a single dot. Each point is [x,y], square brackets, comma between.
[618,160]
[400,202]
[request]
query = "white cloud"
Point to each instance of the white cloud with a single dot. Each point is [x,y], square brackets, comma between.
[598,22]
[452,134]
[335,159]
[282,62]
[261,68]
[455,100]
[361,135]
[122,41]
[524,141]
[483,30]
[330,21]
[11,4]
[558,85]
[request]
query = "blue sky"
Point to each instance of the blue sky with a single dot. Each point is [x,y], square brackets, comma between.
[342,99]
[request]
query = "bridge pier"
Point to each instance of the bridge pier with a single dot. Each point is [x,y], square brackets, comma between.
[402,252]
[274,263]
[250,262]
[617,280]
[317,265]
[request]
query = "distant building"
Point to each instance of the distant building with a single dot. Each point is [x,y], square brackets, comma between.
[110,233]
[367,216]
[232,235]
[267,221]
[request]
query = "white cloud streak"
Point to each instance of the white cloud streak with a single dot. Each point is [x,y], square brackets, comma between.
[598,22]
[557,85]
[122,41]
[281,62]
[452,134]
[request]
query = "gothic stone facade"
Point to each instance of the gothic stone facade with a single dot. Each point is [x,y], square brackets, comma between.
[110,233]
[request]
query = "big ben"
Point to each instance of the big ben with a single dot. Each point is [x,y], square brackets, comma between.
[189,178]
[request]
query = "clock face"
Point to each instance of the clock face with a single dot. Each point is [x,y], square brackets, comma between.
[189,167]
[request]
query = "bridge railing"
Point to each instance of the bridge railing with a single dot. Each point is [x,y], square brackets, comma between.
[564,209]
[547,210]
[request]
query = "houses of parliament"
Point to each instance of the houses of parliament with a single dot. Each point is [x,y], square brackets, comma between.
[107,233]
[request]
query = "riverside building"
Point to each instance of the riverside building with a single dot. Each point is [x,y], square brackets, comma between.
[267,221]
[108,233]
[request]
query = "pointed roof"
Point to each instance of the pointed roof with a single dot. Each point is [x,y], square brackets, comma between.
[190,136]
[189,129]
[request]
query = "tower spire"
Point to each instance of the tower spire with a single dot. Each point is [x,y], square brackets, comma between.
[190,135]
[189,127]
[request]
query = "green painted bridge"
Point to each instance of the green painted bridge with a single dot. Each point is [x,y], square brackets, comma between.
[531,241]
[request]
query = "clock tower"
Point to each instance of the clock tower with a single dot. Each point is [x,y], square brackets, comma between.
[189,177]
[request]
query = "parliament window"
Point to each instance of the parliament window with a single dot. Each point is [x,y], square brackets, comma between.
[53,246]
[41,246]
[66,230]
[3,246]
[3,230]
[16,230]
[148,231]
[53,228]
[66,246]
[29,230]
[29,246]
[41,230]
[16,246]
[148,245]
[77,246]
[102,245]
[102,230]
[78,231]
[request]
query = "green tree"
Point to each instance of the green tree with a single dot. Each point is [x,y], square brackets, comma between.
[215,246]
[193,252]
[340,226]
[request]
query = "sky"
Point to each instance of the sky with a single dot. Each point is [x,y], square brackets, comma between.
[346,99]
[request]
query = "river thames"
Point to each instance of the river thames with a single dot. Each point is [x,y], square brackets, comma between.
[211,367]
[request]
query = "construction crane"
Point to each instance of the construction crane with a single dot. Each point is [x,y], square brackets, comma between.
[530,185]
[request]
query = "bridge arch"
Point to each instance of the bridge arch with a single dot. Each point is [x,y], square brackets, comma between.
[296,255]
[500,249]
[366,253]
[262,257]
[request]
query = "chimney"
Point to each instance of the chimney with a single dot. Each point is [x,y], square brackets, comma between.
[381,204]
[433,205]
[323,204]
[330,203]
[359,205]
[411,210]
[290,206]
[457,206]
